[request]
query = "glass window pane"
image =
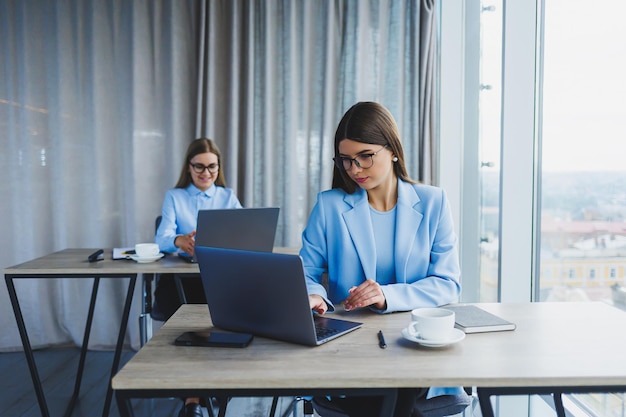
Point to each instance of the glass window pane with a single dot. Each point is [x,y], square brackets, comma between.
[583,194]
[489,145]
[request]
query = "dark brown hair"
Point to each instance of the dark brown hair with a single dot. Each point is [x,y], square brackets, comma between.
[369,122]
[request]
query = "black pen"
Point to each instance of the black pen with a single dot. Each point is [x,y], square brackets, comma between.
[381,340]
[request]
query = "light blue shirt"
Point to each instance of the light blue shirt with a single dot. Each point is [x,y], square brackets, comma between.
[384,224]
[180,211]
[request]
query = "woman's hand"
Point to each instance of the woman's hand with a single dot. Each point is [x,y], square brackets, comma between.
[186,242]
[318,304]
[367,294]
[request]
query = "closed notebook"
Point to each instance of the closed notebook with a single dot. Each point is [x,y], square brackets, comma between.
[473,319]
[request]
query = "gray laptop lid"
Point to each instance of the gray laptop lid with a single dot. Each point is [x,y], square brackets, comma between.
[242,228]
[262,293]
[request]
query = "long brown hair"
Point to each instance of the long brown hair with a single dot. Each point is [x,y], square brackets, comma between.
[369,122]
[198,146]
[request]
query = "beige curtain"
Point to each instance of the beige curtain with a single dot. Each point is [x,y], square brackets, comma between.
[97,105]
[99,99]
[277,75]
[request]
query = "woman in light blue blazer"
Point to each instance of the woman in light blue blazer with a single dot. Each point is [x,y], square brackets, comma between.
[386,242]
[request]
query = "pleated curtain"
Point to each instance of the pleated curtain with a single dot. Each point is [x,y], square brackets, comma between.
[99,99]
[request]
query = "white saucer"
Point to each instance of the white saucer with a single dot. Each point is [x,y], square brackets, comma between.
[146,259]
[457,336]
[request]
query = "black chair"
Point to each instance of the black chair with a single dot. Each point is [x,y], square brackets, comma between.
[441,406]
[161,313]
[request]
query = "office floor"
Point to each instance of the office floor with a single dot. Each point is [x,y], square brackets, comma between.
[57,370]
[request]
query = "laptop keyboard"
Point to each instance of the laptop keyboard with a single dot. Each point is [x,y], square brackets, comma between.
[324,332]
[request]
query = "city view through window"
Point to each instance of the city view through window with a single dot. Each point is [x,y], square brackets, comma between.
[582,186]
[582,191]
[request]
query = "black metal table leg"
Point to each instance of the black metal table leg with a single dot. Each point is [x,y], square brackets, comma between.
[28,351]
[83,349]
[558,404]
[556,392]
[274,406]
[484,399]
[120,343]
[123,404]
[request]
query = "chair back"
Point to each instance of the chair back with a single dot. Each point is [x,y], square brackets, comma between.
[157,222]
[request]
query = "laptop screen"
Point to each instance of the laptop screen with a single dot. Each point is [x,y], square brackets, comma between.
[241,228]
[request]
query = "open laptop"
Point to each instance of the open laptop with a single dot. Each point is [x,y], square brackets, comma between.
[241,228]
[264,294]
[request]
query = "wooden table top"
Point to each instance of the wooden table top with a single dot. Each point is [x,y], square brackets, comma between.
[74,262]
[555,344]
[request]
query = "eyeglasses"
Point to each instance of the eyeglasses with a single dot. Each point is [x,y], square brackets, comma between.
[199,168]
[362,160]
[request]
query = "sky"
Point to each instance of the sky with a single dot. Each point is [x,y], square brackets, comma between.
[584,86]
[584,101]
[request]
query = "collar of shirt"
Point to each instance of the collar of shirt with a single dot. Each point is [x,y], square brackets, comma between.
[194,191]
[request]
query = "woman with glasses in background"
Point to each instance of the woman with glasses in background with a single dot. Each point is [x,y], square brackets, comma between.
[386,243]
[201,186]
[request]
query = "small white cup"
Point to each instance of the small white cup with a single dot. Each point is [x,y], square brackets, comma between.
[146,250]
[431,323]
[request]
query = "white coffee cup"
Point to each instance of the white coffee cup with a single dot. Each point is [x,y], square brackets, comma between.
[146,250]
[431,323]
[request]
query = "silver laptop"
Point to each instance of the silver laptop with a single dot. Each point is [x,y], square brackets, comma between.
[264,294]
[242,228]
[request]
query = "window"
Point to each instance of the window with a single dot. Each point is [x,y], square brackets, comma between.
[489,107]
[583,186]
[544,121]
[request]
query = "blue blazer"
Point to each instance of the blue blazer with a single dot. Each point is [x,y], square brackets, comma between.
[339,240]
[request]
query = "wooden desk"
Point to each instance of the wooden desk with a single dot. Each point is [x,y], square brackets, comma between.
[72,263]
[557,347]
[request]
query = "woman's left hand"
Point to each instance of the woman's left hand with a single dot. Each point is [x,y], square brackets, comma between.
[367,294]
[186,242]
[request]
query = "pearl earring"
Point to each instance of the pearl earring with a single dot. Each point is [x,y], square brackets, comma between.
[395,159]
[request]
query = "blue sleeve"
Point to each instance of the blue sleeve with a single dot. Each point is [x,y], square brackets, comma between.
[314,253]
[167,230]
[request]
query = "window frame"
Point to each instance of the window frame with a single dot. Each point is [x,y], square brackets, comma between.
[520,143]
[459,161]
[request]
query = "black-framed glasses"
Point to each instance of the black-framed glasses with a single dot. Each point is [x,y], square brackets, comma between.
[199,168]
[362,160]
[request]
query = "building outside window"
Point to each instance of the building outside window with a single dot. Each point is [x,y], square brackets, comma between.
[578,225]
